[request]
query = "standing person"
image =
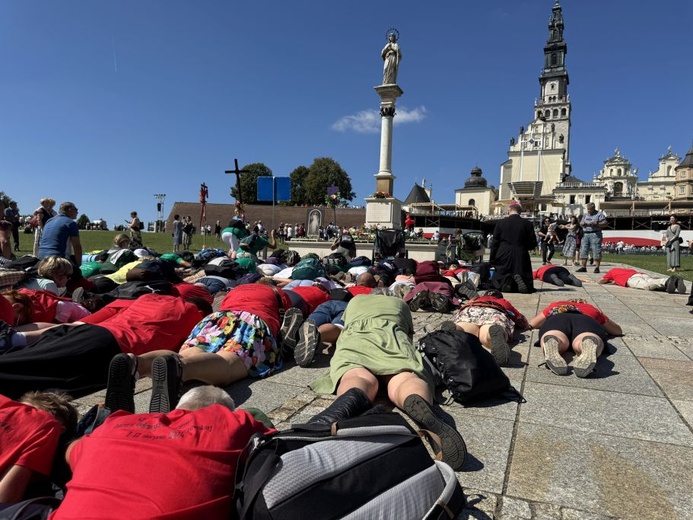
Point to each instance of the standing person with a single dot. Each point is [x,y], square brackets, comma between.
[12,216]
[5,243]
[136,227]
[177,232]
[546,241]
[513,239]
[592,224]
[570,245]
[391,55]
[62,233]
[44,212]
[187,232]
[673,245]
[217,230]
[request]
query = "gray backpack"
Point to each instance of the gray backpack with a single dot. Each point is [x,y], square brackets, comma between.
[371,466]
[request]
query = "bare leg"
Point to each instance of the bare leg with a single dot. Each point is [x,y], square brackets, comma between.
[220,369]
[359,378]
[404,384]
[470,328]
[329,333]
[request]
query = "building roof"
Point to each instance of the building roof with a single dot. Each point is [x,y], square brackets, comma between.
[687,161]
[476,180]
[417,194]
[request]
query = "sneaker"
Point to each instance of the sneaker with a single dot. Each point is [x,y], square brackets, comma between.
[584,364]
[167,372]
[499,344]
[293,319]
[467,289]
[308,341]
[448,326]
[453,448]
[521,285]
[581,270]
[420,299]
[556,280]
[680,285]
[439,302]
[596,270]
[554,360]
[670,285]
[120,392]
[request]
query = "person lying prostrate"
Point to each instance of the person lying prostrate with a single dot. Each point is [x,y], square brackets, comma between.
[43,306]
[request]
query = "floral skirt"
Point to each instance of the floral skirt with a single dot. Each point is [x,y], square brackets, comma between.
[569,246]
[241,333]
[485,316]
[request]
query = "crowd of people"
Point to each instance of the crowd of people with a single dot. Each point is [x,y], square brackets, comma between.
[79,321]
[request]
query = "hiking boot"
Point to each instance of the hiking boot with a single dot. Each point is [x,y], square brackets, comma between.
[167,375]
[553,357]
[680,285]
[452,444]
[596,270]
[439,302]
[556,280]
[499,344]
[120,392]
[574,280]
[581,270]
[521,285]
[420,299]
[293,319]
[448,326]
[670,285]
[466,289]
[308,341]
[351,403]
[584,364]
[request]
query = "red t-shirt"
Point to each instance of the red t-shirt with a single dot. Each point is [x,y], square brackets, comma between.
[151,322]
[258,299]
[176,465]
[619,276]
[539,273]
[6,311]
[43,304]
[189,290]
[28,437]
[355,290]
[584,308]
[312,295]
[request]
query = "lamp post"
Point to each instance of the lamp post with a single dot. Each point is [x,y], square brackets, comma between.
[160,197]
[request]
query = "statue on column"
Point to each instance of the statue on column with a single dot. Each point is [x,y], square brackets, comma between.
[391,57]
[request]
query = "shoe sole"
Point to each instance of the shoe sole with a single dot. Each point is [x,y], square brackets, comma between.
[439,305]
[120,390]
[418,301]
[293,319]
[499,345]
[681,286]
[521,285]
[554,360]
[584,364]
[309,338]
[162,400]
[453,448]
[670,286]
[576,282]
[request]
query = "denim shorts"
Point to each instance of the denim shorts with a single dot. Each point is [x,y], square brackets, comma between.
[591,241]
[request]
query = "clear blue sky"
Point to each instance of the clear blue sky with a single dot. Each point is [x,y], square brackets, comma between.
[108,103]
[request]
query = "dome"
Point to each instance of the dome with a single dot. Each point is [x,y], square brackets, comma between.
[476,180]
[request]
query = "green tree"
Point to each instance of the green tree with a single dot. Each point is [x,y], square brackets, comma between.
[325,172]
[298,189]
[249,182]
[83,221]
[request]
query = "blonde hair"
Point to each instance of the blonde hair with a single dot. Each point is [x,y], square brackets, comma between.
[121,237]
[47,200]
[55,403]
[53,266]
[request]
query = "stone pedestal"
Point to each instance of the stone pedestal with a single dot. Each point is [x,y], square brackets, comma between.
[385,213]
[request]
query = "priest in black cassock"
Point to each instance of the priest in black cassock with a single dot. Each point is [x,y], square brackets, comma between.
[513,239]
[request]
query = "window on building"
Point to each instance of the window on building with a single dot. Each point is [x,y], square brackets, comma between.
[683,175]
[555,112]
[554,59]
[669,170]
[572,199]
[471,202]
[588,199]
[564,112]
[618,172]
[618,189]
[682,190]
[547,113]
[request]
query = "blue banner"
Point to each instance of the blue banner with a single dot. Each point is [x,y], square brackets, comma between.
[273,188]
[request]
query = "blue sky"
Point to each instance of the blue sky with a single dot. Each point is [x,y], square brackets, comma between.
[108,103]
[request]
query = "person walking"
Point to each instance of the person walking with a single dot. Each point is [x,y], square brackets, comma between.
[592,223]
[673,245]
[547,242]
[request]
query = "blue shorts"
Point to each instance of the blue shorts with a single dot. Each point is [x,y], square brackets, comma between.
[593,242]
[329,312]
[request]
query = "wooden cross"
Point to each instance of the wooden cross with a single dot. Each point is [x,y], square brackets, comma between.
[238,172]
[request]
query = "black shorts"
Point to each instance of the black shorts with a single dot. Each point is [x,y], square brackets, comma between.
[572,324]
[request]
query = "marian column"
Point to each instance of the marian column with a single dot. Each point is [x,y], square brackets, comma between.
[382,209]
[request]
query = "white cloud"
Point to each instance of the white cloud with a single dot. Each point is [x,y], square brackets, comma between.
[368,121]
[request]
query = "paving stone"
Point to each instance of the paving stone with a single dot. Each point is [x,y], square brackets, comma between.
[574,514]
[654,346]
[480,504]
[546,511]
[601,474]
[513,508]
[589,410]
[675,377]
[685,408]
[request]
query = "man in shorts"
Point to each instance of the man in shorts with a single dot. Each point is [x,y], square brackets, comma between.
[592,223]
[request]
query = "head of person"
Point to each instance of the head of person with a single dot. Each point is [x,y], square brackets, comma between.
[68,209]
[574,220]
[515,208]
[13,205]
[366,280]
[55,403]
[122,241]
[672,219]
[176,217]
[21,305]
[392,37]
[206,395]
[133,214]
[55,268]
[47,202]
[590,207]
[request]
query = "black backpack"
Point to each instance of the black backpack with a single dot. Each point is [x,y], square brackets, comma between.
[371,466]
[133,290]
[467,370]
